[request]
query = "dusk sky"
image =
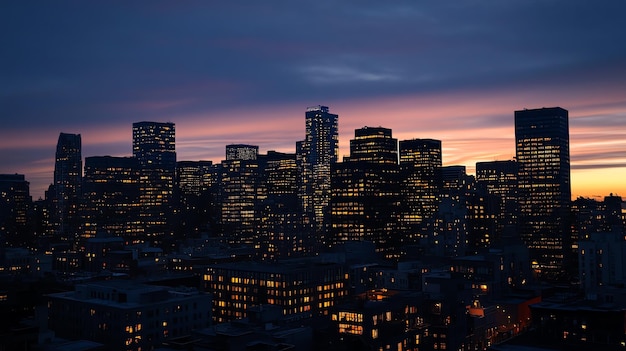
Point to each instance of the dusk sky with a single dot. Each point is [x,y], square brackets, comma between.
[245,71]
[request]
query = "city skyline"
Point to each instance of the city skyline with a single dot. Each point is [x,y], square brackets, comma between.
[42,177]
[244,73]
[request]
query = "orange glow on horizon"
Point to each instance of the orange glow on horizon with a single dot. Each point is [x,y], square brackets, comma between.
[472,129]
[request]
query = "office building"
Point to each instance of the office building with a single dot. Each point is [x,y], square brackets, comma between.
[301,288]
[242,152]
[365,192]
[420,184]
[542,150]
[240,194]
[195,193]
[499,179]
[281,231]
[124,315]
[373,145]
[111,191]
[67,187]
[601,261]
[382,320]
[154,147]
[450,237]
[14,206]
[316,153]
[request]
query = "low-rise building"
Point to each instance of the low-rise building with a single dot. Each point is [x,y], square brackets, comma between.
[124,315]
[302,288]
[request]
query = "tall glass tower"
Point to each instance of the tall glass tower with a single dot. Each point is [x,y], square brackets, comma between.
[542,149]
[67,187]
[316,153]
[154,148]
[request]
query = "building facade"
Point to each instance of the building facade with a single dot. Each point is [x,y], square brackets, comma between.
[302,289]
[195,196]
[240,193]
[420,174]
[124,315]
[14,207]
[542,151]
[154,147]
[67,186]
[365,192]
[316,153]
[111,194]
[499,179]
[281,230]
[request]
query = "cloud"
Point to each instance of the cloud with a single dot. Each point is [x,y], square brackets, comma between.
[244,72]
[344,74]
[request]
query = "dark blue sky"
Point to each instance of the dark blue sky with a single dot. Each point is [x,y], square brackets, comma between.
[244,71]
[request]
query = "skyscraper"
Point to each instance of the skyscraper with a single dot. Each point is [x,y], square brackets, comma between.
[194,189]
[420,173]
[111,194]
[316,153]
[366,196]
[154,147]
[280,228]
[542,149]
[240,194]
[68,167]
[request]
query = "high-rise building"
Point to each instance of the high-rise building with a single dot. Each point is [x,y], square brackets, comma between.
[420,174]
[452,223]
[365,192]
[240,194]
[14,206]
[542,149]
[242,152]
[195,181]
[67,186]
[154,147]
[316,153]
[280,229]
[111,191]
[499,178]
[373,145]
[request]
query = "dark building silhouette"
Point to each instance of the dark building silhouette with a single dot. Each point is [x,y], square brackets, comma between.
[67,187]
[365,192]
[542,149]
[453,215]
[14,209]
[316,153]
[124,315]
[195,190]
[499,178]
[154,147]
[111,192]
